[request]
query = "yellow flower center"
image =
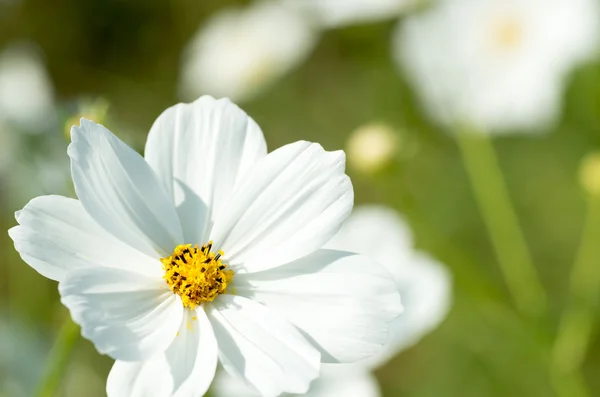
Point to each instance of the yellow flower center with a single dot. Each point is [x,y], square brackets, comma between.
[197,275]
[507,34]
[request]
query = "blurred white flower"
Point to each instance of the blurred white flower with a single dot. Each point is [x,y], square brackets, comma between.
[31,149]
[337,13]
[240,51]
[425,287]
[147,257]
[26,92]
[500,64]
[371,147]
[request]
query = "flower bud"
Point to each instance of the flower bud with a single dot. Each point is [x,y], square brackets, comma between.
[371,147]
[94,110]
[589,174]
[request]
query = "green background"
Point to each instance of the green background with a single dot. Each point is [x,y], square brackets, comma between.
[128,52]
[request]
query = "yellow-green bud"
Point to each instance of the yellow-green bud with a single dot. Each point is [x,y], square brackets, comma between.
[371,147]
[589,174]
[94,110]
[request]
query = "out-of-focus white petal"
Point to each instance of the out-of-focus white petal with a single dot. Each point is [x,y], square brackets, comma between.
[200,151]
[185,369]
[342,302]
[379,233]
[26,92]
[338,13]
[242,50]
[262,347]
[575,30]
[121,192]
[126,315]
[424,285]
[426,290]
[55,235]
[291,203]
[335,380]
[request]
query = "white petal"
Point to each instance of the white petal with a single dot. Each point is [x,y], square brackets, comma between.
[185,369]
[226,385]
[199,152]
[140,378]
[121,192]
[126,315]
[341,301]
[55,235]
[193,355]
[345,380]
[291,203]
[257,344]
[424,285]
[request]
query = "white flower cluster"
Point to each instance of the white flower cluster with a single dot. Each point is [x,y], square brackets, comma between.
[241,51]
[501,65]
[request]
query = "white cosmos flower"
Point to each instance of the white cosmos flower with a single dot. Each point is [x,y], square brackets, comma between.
[498,63]
[424,284]
[240,51]
[338,13]
[208,248]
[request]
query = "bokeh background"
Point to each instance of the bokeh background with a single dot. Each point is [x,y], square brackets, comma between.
[120,62]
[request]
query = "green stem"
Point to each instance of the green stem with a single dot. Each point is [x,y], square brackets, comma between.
[59,357]
[501,221]
[576,325]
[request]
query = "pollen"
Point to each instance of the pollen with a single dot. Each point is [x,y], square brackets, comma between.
[197,275]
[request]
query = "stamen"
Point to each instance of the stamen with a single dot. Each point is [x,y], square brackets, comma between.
[200,277]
